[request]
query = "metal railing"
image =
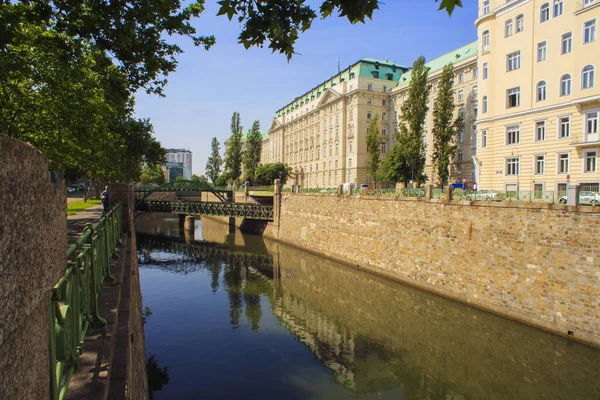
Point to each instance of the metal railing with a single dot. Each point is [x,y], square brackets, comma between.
[74,299]
[261,188]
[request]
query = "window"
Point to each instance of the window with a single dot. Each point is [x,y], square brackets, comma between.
[461,95]
[461,135]
[369,114]
[558,8]
[540,131]
[563,163]
[541,91]
[484,100]
[589,31]
[486,7]
[565,85]
[369,86]
[384,116]
[587,77]
[520,23]
[513,97]
[349,163]
[459,155]
[564,127]
[542,51]
[461,77]
[484,134]
[383,147]
[589,161]
[567,43]
[389,77]
[384,89]
[384,132]
[475,73]
[337,149]
[512,166]
[352,75]
[369,101]
[539,165]
[485,41]
[513,61]
[384,102]
[485,70]
[375,74]
[475,92]
[508,28]
[544,12]
[513,134]
[591,123]
[587,3]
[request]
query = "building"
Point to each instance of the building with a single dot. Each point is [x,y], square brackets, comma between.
[181,156]
[172,170]
[526,88]
[539,102]
[322,133]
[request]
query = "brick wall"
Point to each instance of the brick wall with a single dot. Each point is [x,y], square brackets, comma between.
[539,265]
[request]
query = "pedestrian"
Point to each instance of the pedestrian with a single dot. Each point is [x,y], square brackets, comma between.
[105,198]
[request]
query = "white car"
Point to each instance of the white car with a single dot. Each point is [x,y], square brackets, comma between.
[585,197]
[486,195]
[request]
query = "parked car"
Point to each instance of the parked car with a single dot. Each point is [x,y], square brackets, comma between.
[585,197]
[364,186]
[486,195]
[73,188]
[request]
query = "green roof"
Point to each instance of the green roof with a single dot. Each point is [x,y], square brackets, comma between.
[463,53]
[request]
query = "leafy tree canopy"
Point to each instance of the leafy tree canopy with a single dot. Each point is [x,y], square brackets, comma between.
[152,174]
[253,150]
[214,162]
[267,173]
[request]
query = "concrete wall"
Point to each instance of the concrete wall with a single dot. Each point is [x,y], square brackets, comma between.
[33,243]
[537,264]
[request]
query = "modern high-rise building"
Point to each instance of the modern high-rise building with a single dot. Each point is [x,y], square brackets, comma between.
[539,101]
[526,88]
[181,156]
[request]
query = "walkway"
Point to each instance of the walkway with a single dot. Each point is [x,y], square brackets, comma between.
[76,222]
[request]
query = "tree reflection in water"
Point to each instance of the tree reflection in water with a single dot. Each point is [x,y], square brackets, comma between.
[157,376]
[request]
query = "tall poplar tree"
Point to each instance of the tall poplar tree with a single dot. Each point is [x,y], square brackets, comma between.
[214,162]
[406,160]
[233,154]
[253,151]
[445,127]
[374,149]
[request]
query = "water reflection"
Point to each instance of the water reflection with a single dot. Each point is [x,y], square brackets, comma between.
[374,338]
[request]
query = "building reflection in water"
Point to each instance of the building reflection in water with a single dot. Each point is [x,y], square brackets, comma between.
[374,334]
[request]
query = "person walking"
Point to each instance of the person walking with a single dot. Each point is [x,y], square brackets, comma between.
[105,199]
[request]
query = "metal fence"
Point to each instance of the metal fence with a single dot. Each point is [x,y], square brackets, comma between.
[261,188]
[74,299]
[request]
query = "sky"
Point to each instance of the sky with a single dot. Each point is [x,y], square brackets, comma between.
[208,86]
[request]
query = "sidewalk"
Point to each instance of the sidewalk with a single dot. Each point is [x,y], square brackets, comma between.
[76,222]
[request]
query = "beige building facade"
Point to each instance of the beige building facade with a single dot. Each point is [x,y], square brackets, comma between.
[527,89]
[538,95]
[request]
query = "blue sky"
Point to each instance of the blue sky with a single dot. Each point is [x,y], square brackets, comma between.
[208,86]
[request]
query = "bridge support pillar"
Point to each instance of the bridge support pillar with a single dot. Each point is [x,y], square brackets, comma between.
[181,223]
[276,201]
[189,223]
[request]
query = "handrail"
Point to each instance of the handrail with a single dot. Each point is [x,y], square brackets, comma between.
[74,299]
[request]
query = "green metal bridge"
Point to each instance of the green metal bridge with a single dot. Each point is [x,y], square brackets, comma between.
[226,207]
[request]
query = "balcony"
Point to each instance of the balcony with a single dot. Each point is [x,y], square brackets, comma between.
[583,5]
[588,140]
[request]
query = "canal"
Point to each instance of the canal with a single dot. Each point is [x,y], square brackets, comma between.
[232,316]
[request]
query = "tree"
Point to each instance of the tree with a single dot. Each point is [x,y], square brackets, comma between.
[223,179]
[406,161]
[233,154]
[253,150]
[199,179]
[279,22]
[152,174]
[374,149]
[267,173]
[444,128]
[214,162]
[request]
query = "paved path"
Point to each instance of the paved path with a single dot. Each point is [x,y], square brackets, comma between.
[76,222]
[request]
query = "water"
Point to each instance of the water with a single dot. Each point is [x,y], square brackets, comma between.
[237,316]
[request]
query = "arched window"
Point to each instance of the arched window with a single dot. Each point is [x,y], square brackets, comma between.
[485,104]
[508,29]
[520,23]
[541,91]
[544,12]
[485,41]
[558,8]
[565,85]
[587,77]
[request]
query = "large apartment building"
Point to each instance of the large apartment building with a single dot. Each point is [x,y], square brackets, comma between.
[540,103]
[526,88]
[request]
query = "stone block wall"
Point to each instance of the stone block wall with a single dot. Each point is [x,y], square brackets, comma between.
[33,243]
[538,264]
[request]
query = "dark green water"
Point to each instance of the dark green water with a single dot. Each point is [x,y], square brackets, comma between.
[239,317]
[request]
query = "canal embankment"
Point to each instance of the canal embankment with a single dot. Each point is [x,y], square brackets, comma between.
[535,263]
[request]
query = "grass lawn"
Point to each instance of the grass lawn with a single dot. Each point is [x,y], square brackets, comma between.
[76,206]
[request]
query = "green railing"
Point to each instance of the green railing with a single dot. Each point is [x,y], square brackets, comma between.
[261,188]
[74,299]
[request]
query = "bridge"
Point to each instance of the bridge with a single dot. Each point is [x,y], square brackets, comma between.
[226,207]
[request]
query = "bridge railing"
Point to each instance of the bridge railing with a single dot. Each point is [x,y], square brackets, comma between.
[74,299]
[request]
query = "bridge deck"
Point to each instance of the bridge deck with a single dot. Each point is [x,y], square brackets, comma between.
[239,210]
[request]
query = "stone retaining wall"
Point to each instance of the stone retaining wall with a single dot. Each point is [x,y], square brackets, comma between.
[536,264]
